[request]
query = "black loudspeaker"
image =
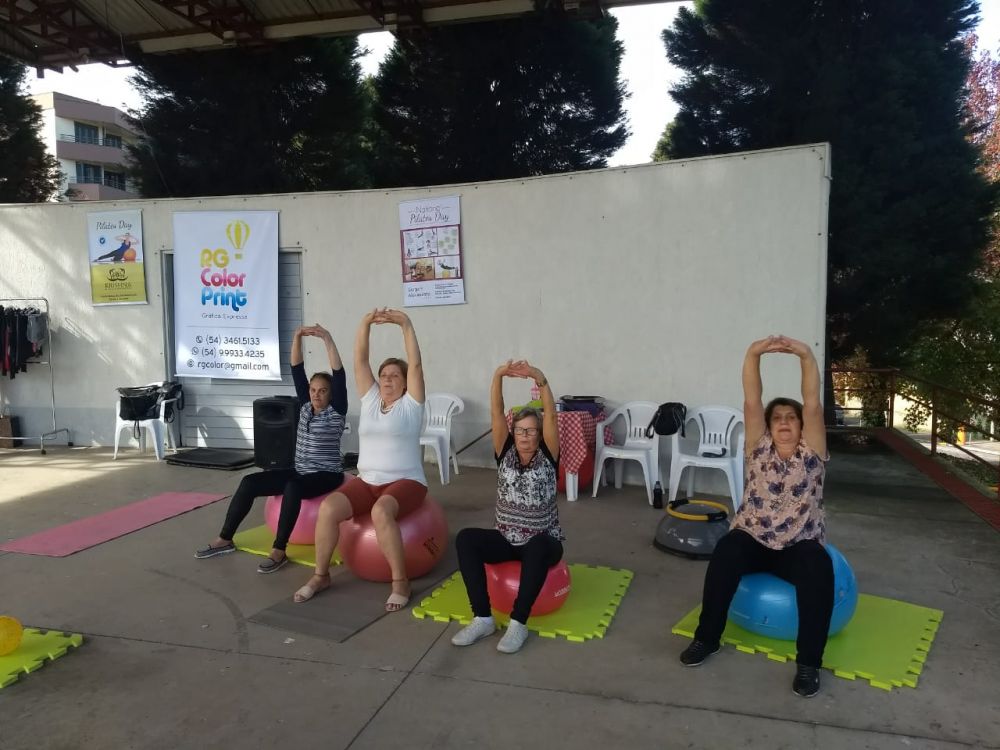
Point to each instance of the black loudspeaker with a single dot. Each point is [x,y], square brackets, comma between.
[275,423]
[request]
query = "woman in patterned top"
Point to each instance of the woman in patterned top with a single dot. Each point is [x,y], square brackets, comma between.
[527,520]
[780,527]
[318,468]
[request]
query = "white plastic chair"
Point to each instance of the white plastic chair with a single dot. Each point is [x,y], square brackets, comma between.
[716,450]
[637,447]
[439,408]
[161,430]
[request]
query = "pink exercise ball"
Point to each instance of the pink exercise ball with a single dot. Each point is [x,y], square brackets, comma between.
[304,531]
[425,537]
[504,579]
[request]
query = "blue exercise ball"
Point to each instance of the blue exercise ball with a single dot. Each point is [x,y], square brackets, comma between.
[765,604]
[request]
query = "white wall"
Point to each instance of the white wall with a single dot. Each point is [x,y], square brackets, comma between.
[632,283]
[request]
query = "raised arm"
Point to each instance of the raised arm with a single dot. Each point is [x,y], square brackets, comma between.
[364,379]
[415,368]
[498,415]
[753,405]
[297,358]
[332,353]
[813,427]
[298,369]
[338,391]
[550,421]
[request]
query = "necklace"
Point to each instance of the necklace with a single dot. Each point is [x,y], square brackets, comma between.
[385,409]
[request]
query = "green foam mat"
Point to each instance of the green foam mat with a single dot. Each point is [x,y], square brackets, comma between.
[258,541]
[593,599]
[38,647]
[886,642]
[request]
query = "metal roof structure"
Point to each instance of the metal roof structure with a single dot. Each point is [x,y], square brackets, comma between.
[66,33]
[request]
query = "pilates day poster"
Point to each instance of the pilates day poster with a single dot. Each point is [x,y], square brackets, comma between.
[114,246]
[431,251]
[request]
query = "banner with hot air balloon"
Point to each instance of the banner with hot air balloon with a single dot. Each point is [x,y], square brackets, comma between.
[226,294]
[114,243]
[430,231]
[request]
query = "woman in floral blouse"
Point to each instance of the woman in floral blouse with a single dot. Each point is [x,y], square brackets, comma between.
[527,520]
[780,526]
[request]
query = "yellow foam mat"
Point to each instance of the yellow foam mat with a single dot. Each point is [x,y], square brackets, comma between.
[886,642]
[38,647]
[258,541]
[593,599]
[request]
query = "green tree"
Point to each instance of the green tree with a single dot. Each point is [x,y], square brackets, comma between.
[964,351]
[883,82]
[283,118]
[28,174]
[499,99]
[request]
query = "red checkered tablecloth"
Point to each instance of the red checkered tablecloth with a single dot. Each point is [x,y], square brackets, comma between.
[576,437]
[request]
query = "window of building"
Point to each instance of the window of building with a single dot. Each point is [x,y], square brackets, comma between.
[88,173]
[114,179]
[110,139]
[86,133]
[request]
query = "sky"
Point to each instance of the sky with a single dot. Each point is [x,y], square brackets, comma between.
[645,70]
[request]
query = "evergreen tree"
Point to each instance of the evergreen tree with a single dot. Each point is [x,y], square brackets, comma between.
[251,120]
[500,99]
[883,82]
[28,174]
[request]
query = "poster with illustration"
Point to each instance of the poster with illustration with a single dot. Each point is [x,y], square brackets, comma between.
[114,245]
[431,251]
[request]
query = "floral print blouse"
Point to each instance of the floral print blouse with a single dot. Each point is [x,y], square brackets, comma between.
[783,498]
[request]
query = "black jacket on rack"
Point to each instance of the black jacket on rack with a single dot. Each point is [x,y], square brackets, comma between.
[15,346]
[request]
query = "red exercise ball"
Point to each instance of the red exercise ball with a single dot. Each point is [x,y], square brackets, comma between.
[304,531]
[504,579]
[584,477]
[425,537]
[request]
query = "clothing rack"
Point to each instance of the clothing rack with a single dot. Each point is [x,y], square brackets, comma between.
[48,362]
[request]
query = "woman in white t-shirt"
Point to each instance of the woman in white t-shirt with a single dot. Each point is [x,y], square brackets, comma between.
[390,480]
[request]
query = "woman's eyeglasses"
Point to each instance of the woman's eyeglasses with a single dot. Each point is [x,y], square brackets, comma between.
[528,431]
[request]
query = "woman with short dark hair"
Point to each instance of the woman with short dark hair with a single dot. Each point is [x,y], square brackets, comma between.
[527,519]
[780,526]
[318,462]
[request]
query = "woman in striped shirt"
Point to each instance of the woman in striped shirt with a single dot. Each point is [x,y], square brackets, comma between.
[527,520]
[318,465]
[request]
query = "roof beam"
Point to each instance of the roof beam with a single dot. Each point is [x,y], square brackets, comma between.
[60,30]
[229,20]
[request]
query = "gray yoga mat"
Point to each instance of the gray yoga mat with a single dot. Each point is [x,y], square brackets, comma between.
[349,605]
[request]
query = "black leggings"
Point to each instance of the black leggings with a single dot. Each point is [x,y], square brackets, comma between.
[288,483]
[477,547]
[806,565]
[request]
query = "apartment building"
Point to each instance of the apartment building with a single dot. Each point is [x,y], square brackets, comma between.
[88,139]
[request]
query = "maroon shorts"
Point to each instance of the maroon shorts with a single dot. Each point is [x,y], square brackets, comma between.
[408,493]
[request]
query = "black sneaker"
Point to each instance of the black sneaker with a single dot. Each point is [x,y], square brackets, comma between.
[806,683]
[697,652]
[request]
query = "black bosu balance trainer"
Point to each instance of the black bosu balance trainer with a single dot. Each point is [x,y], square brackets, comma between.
[691,528]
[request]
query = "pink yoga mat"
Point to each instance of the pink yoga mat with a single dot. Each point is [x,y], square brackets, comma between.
[87,532]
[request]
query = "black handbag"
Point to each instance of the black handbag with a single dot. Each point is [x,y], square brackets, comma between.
[669,418]
[139,403]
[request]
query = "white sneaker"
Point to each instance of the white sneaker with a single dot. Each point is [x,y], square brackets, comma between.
[479,628]
[514,638]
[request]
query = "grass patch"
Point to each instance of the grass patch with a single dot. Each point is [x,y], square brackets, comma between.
[983,477]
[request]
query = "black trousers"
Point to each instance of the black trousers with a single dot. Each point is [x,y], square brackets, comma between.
[477,547]
[288,483]
[806,565]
